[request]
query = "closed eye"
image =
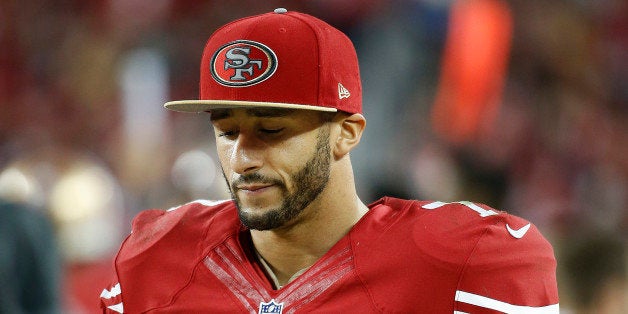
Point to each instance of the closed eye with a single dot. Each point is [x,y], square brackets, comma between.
[227,134]
[271,131]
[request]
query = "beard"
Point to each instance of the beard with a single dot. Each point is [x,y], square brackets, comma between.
[308,183]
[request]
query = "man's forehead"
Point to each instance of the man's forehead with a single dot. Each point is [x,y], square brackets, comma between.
[261,112]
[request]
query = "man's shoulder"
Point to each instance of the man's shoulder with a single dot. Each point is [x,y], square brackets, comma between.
[157,228]
[448,215]
[460,249]
[462,226]
[484,222]
[188,213]
[164,248]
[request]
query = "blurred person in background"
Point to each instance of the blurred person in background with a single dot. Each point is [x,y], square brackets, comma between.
[285,100]
[595,273]
[30,265]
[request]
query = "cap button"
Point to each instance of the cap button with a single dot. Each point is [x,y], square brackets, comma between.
[280,10]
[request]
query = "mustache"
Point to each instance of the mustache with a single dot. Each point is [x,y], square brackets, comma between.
[255,177]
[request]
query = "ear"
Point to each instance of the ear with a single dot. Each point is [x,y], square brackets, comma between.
[351,129]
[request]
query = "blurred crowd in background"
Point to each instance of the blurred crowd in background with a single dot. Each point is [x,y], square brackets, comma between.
[518,104]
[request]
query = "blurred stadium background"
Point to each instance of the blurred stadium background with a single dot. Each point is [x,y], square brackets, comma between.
[519,104]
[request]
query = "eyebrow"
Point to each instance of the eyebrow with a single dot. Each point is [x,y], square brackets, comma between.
[219,114]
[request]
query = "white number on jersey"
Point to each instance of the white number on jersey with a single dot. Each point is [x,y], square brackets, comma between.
[483,212]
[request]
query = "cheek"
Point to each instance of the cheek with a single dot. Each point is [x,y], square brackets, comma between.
[291,160]
[224,153]
[285,163]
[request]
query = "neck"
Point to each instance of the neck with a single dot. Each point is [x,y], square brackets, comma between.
[322,224]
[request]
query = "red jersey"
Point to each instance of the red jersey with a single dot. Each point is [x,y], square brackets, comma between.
[402,256]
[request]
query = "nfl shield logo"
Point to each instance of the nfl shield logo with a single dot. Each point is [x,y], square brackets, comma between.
[270,307]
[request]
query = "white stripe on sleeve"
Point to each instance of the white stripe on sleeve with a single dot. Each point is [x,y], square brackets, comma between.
[118,308]
[108,294]
[486,302]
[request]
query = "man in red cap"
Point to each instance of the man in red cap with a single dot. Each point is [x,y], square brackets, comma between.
[284,96]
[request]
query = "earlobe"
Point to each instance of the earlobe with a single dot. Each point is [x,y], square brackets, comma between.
[351,129]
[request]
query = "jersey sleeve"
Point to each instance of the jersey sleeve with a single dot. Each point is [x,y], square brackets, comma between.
[111,296]
[512,269]
[148,274]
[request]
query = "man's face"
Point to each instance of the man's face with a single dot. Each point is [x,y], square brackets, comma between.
[275,161]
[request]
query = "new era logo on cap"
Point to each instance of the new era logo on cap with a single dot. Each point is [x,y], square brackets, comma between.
[243,63]
[343,92]
[281,59]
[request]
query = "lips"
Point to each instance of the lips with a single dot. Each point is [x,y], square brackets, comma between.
[252,187]
[254,183]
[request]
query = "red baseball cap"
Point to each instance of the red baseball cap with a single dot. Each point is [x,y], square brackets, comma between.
[281,60]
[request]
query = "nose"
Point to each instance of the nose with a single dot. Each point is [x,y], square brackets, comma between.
[246,155]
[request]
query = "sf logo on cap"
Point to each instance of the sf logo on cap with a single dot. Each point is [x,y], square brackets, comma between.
[243,63]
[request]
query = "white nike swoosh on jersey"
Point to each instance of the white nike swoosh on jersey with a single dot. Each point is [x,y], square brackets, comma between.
[518,233]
